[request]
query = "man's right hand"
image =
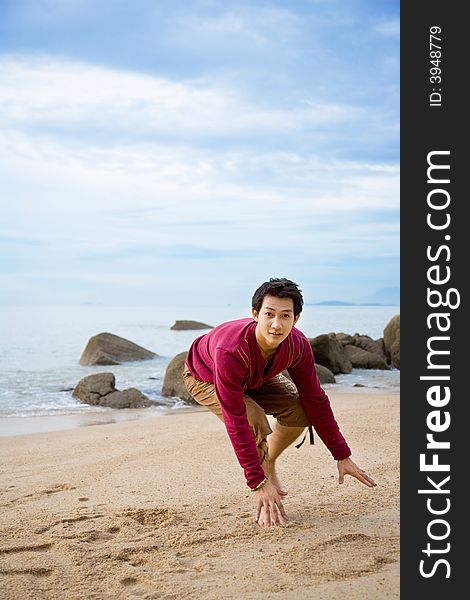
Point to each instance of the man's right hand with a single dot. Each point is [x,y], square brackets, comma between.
[269,508]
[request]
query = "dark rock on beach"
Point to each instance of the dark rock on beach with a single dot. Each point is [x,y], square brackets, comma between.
[330,353]
[184,325]
[90,389]
[362,359]
[392,341]
[363,341]
[109,349]
[363,351]
[173,384]
[128,398]
[324,374]
[100,390]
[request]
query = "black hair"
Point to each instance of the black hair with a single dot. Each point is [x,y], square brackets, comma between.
[281,288]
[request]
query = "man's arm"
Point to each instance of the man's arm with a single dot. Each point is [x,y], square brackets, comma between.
[316,403]
[318,409]
[228,377]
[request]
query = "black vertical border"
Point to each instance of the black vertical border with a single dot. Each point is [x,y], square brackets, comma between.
[424,129]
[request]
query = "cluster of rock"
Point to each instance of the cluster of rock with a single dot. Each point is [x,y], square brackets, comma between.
[99,389]
[341,352]
[334,353]
[109,349]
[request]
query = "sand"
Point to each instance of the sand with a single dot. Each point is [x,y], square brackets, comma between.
[158,508]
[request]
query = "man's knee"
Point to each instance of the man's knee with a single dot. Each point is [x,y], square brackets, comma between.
[293,416]
[258,421]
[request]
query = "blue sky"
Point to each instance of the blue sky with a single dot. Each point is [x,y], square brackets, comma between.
[184,152]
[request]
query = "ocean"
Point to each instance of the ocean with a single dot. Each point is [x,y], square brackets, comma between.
[40,347]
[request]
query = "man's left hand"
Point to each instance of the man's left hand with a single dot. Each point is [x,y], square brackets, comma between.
[347,467]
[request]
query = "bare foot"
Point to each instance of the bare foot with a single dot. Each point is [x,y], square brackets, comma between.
[273,478]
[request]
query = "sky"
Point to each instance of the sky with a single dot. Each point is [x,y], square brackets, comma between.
[183,152]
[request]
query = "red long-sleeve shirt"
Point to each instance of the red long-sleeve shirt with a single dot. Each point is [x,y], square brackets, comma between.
[230,358]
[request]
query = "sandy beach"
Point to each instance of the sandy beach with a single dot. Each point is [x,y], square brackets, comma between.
[158,508]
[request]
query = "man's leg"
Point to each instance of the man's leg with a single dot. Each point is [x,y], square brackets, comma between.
[279,397]
[204,394]
[278,441]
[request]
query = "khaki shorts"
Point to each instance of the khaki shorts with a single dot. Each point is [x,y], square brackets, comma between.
[277,397]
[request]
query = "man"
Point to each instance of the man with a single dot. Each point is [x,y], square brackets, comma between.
[235,370]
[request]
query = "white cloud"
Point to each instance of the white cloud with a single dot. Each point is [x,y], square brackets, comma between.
[64,96]
[88,180]
[109,171]
[92,138]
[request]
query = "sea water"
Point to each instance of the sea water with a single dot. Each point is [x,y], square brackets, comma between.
[40,348]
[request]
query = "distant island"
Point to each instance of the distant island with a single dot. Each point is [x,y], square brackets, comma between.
[331,303]
[383,297]
[340,303]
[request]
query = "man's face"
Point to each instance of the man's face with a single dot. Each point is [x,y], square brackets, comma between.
[274,321]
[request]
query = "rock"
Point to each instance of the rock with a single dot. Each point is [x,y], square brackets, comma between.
[392,341]
[109,349]
[362,341]
[367,343]
[345,338]
[173,384]
[90,389]
[324,374]
[362,359]
[184,325]
[330,353]
[128,398]
[99,390]
[363,351]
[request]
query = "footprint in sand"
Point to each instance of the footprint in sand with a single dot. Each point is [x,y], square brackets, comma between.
[37,571]
[149,516]
[67,522]
[53,489]
[346,556]
[104,526]
[34,548]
